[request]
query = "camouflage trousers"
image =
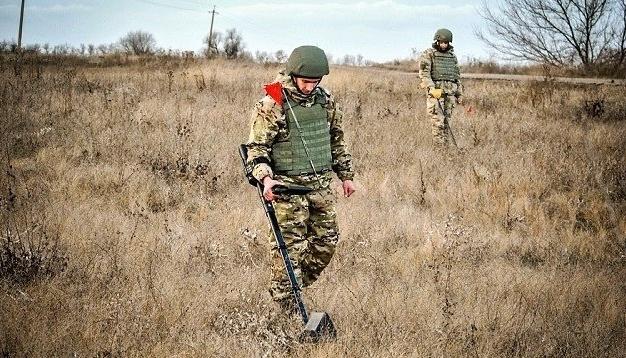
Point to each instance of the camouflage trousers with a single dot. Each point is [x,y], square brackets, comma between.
[309,226]
[439,118]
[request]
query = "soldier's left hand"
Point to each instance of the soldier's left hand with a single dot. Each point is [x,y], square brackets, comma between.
[348,188]
[459,100]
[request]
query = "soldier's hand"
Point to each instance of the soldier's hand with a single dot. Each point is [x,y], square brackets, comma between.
[435,92]
[348,188]
[459,100]
[268,184]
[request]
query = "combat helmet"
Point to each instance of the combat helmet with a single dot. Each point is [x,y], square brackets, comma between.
[307,61]
[443,35]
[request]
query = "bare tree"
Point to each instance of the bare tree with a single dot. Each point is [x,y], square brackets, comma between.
[233,44]
[33,48]
[349,60]
[281,56]
[619,52]
[555,32]
[216,42]
[359,60]
[102,49]
[262,56]
[138,43]
[62,49]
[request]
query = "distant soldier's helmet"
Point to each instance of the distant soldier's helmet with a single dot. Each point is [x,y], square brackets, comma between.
[307,61]
[443,35]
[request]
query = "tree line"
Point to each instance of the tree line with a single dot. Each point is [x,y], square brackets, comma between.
[586,35]
[228,45]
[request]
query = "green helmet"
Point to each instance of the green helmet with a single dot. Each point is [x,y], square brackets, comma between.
[443,35]
[307,61]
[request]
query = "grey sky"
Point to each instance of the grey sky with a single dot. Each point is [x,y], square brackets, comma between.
[380,30]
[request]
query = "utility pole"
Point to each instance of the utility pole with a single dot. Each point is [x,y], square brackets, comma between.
[19,35]
[211,29]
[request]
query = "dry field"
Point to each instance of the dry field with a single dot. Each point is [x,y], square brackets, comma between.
[128,229]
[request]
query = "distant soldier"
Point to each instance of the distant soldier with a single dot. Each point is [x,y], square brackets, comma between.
[440,74]
[295,128]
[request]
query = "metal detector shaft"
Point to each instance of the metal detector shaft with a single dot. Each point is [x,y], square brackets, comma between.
[280,241]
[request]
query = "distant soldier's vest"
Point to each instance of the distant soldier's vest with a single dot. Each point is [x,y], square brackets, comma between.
[288,153]
[444,67]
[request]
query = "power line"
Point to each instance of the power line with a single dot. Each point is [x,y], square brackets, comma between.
[242,22]
[248,23]
[170,6]
[245,23]
[193,2]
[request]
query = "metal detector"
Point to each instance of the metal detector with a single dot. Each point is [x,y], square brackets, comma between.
[317,325]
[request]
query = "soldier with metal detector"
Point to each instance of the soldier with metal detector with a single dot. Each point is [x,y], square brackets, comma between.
[440,74]
[297,138]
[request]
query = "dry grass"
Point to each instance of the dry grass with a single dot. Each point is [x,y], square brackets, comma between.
[123,187]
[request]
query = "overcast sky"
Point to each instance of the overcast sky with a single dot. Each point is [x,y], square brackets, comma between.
[380,30]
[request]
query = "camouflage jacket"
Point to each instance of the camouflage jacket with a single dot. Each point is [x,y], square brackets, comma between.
[269,121]
[425,68]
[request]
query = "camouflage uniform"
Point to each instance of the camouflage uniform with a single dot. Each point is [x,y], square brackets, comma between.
[307,222]
[451,89]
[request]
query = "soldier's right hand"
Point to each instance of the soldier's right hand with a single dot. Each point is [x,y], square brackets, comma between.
[268,184]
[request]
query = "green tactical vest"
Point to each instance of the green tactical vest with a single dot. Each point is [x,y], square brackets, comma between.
[445,67]
[288,154]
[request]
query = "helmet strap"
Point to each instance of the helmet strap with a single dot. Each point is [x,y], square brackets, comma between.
[438,48]
[293,79]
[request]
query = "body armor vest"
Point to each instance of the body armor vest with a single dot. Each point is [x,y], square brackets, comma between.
[445,67]
[288,154]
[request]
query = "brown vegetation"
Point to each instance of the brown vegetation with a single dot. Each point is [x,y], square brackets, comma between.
[128,228]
